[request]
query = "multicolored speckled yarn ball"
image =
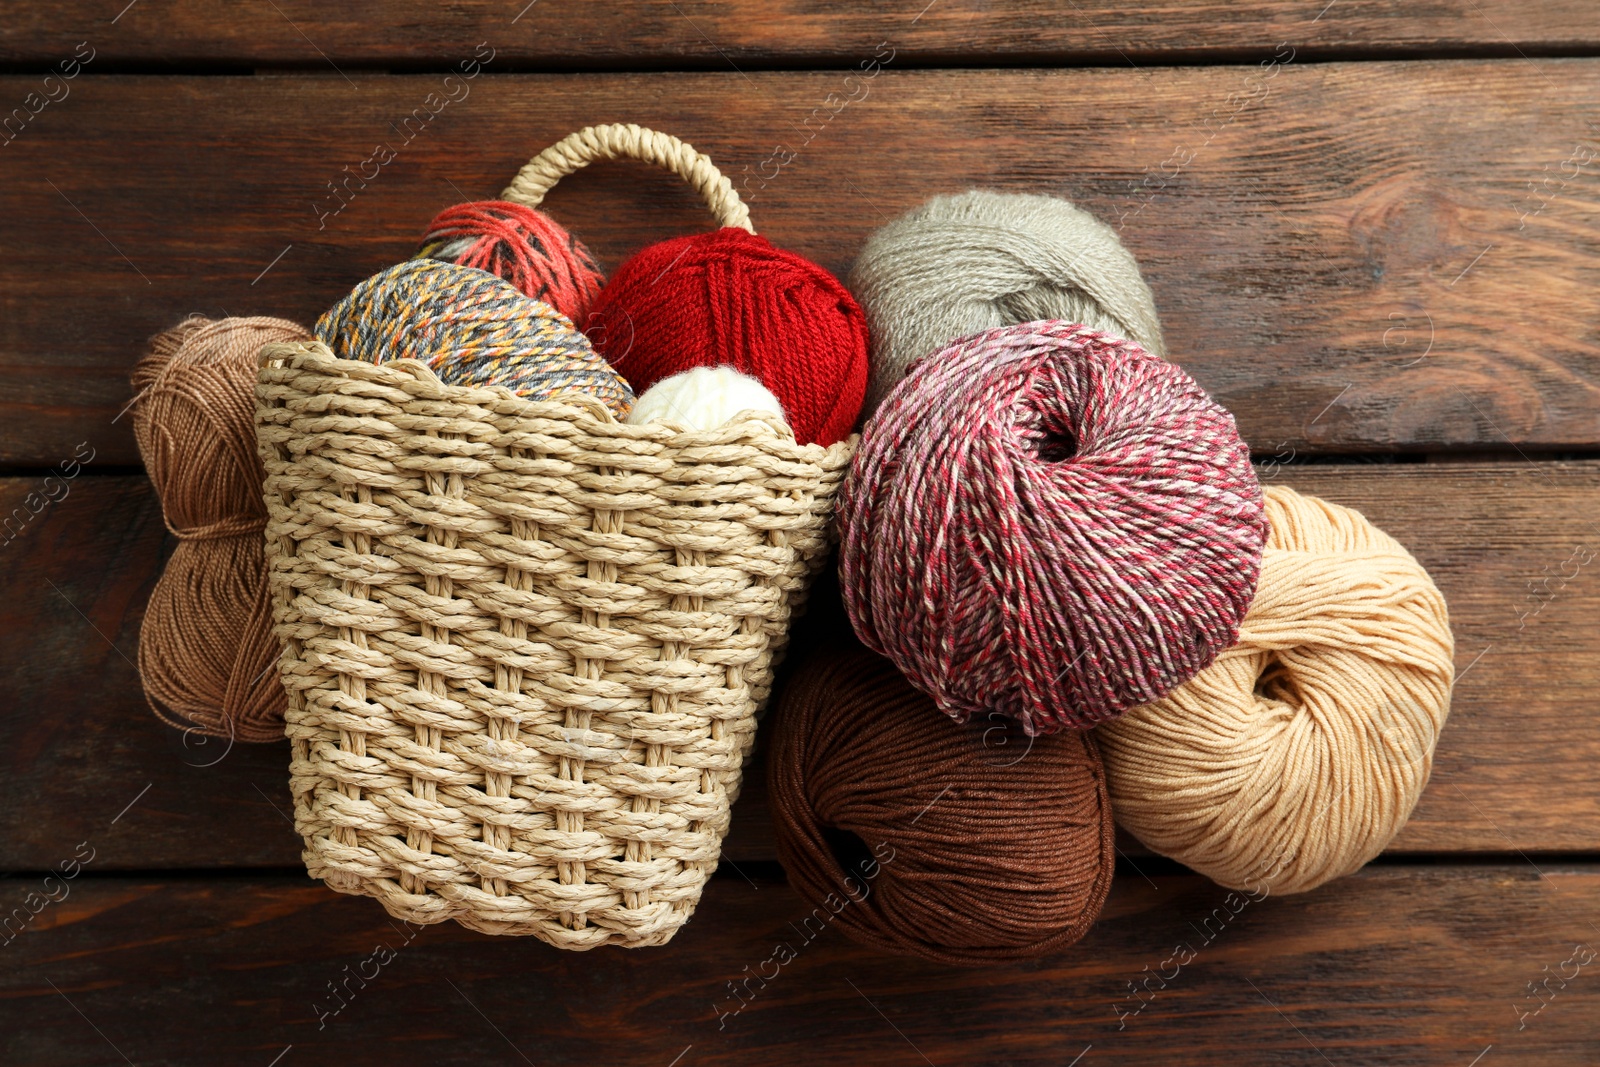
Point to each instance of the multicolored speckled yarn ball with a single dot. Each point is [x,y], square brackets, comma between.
[472,328]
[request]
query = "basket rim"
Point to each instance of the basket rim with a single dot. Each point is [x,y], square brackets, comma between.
[410,374]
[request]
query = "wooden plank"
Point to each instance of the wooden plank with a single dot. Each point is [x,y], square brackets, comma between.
[1396,965]
[1522,588]
[570,35]
[1506,543]
[84,753]
[1354,257]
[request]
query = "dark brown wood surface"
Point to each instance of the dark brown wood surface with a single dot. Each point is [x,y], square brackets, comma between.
[721,35]
[1506,543]
[1388,281]
[1417,966]
[1371,231]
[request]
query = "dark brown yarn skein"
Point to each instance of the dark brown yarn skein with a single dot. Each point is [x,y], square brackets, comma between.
[206,648]
[973,846]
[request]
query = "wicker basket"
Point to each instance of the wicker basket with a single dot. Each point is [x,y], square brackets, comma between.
[525,645]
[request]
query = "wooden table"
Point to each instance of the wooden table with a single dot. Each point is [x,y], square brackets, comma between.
[1371,232]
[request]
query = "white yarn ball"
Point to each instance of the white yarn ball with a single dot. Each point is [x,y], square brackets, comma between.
[703,398]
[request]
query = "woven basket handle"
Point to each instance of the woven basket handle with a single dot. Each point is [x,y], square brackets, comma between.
[626,141]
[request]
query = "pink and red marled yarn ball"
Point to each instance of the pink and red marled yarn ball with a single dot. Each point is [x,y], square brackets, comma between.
[1051,523]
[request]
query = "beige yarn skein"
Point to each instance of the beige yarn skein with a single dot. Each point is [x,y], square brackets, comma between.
[1300,752]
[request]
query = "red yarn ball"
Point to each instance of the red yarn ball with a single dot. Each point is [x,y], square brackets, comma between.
[731,298]
[526,247]
[1049,522]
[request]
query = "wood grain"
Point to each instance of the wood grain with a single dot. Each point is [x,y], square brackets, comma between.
[1506,543]
[568,34]
[1350,256]
[1358,256]
[1393,966]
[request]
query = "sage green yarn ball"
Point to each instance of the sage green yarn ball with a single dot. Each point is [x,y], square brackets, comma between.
[961,264]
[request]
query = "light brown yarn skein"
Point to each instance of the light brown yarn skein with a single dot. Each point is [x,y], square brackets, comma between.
[1300,752]
[206,649]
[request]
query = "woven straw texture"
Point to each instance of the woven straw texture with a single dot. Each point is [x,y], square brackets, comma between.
[524,645]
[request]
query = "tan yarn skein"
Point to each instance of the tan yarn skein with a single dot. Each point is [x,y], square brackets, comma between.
[1300,752]
[206,649]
